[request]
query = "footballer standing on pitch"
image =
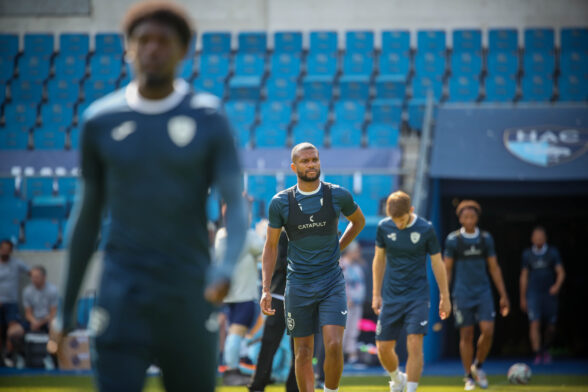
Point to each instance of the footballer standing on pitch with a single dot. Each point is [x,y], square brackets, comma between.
[315,289]
[149,154]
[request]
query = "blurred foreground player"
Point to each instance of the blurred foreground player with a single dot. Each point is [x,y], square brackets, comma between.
[471,252]
[542,275]
[401,289]
[149,154]
[315,289]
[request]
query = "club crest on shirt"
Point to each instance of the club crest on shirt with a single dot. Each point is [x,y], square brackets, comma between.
[415,237]
[392,236]
[290,322]
[181,130]
[98,321]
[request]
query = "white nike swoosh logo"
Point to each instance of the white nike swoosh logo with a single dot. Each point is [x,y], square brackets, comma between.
[423,323]
[344,313]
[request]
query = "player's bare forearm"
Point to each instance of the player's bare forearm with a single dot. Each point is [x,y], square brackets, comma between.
[560,276]
[523,284]
[378,269]
[448,269]
[496,275]
[269,256]
[355,226]
[440,274]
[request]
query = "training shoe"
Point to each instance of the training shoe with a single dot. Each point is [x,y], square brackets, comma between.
[399,384]
[479,376]
[234,377]
[538,359]
[470,384]
[546,358]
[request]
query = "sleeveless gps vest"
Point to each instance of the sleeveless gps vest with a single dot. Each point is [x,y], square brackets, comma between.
[320,223]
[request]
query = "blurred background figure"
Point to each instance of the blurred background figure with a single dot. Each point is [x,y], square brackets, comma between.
[40,299]
[542,275]
[352,264]
[11,329]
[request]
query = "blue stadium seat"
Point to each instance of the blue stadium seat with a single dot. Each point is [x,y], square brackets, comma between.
[240,112]
[361,42]
[345,134]
[286,64]
[539,40]
[355,87]
[249,64]
[358,64]
[48,207]
[270,134]
[536,88]
[34,67]
[62,91]
[2,93]
[503,63]
[317,90]
[573,87]
[322,65]
[67,187]
[313,112]
[26,91]
[396,41]
[76,44]
[350,111]
[242,134]
[10,230]
[109,44]
[288,42]
[387,111]
[214,64]
[574,39]
[573,62]
[8,45]
[431,41]
[6,68]
[8,188]
[57,116]
[289,181]
[422,84]
[213,208]
[430,63]
[13,139]
[276,112]
[323,42]
[394,63]
[467,40]
[538,63]
[211,84]
[464,88]
[20,116]
[94,89]
[81,108]
[343,180]
[281,88]
[74,138]
[253,42]
[38,44]
[416,113]
[245,87]
[216,42]
[186,68]
[500,88]
[105,67]
[37,186]
[466,63]
[382,135]
[503,40]
[41,234]
[13,210]
[70,66]
[390,87]
[374,190]
[311,132]
[262,187]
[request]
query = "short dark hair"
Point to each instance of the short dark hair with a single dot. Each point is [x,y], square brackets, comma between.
[465,204]
[160,11]
[7,241]
[540,228]
[398,204]
[301,147]
[40,268]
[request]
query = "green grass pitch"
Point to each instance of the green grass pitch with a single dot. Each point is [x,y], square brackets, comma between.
[539,383]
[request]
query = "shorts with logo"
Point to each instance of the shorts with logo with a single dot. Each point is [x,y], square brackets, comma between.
[468,312]
[412,315]
[542,306]
[309,306]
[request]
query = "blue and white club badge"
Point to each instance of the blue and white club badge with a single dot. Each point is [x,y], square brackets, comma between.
[546,145]
[415,236]
[181,130]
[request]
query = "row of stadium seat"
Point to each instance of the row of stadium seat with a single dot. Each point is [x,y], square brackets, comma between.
[535,39]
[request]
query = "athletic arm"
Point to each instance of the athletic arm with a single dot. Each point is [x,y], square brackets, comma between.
[378,269]
[441,277]
[523,283]
[448,268]
[268,263]
[560,276]
[496,275]
[356,224]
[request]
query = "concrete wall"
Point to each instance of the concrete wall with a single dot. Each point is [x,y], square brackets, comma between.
[341,15]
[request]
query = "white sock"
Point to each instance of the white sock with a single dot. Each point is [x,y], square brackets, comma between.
[411,386]
[331,390]
[394,374]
